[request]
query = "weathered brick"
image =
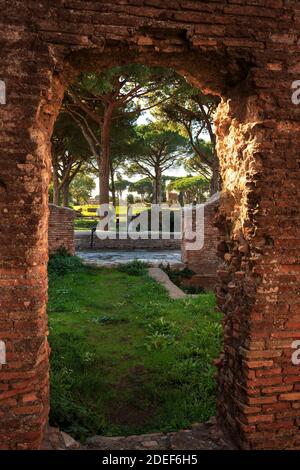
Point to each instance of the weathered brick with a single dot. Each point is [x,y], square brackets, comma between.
[61,229]
[249,56]
[261,400]
[289,396]
[29,397]
[204,262]
[258,364]
[260,418]
[277,389]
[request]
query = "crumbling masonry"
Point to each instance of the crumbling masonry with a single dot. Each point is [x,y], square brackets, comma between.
[249,55]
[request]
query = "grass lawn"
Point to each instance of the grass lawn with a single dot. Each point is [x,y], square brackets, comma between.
[85,224]
[125,358]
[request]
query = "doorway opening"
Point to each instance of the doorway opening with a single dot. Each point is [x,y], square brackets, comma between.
[126,358]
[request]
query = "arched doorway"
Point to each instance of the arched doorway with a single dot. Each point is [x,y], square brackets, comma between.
[258,385]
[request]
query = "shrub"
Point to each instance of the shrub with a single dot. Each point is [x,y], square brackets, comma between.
[130,199]
[159,341]
[61,263]
[162,334]
[177,277]
[134,268]
[108,320]
[178,273]
[162,326]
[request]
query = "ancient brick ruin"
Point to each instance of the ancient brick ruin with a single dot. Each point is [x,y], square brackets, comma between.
[61,229]
[244,52]
[204,262]
[83,242]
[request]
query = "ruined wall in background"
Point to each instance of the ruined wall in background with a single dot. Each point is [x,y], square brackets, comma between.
[204,261]
[61,229]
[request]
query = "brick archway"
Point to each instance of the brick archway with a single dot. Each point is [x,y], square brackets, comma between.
[242,53]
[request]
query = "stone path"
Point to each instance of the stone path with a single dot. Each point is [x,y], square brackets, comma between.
[201,436]
[160,276]
[114,258]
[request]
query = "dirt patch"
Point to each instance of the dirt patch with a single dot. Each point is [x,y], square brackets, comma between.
[127,357]
[133,413]
[126,339]
[133,407]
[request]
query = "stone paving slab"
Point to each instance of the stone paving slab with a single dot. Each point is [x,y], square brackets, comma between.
[114,258]
[160,276]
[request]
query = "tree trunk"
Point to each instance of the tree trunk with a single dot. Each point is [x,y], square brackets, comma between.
[65,194]
[104,184]
[105,164]
[215,180]
[154,199]
[99,169]
[181,198]
[55,180]
[157,186]
[112,182]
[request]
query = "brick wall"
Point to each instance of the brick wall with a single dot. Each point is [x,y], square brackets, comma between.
[246,52]
[83,242]
[61,229]
[204,261]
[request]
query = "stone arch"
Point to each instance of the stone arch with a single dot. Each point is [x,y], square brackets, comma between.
[236,51]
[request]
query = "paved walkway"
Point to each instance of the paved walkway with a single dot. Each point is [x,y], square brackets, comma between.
[114,258]
[160,276]
[201,436]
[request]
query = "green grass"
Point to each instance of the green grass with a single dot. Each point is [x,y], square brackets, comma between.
[125,358]
[85,224]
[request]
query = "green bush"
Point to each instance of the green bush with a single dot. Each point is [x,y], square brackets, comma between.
[61,263]
[177,273]
[162,333]
[177,276]
[162,326]
[134,268]
[108,320]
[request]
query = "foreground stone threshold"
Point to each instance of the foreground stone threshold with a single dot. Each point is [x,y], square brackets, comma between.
[200,436]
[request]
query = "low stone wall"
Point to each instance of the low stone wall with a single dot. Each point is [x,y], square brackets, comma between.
[200,436]
[83,242]
[204,262]
[61,229]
